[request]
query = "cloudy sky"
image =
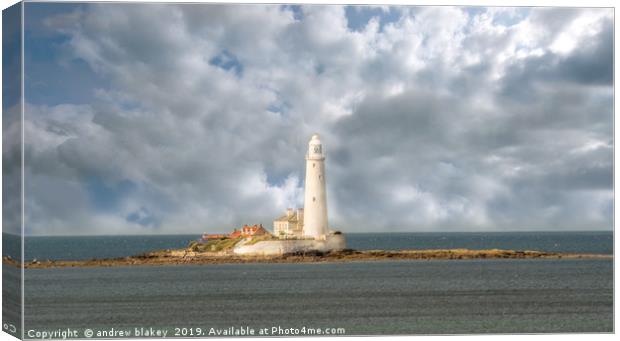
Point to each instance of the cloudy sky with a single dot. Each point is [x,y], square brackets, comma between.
[153,118]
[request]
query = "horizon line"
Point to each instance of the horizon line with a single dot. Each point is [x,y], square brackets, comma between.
[370,232]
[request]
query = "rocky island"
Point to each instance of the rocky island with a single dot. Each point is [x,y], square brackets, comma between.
[189,256]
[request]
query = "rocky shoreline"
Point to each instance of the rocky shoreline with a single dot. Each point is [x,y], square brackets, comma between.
[188,257]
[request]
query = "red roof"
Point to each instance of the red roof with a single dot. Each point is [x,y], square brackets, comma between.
[235,234]
[248,231]
[253,230]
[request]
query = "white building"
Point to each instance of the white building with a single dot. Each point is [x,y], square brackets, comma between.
[289,225]
[315,198]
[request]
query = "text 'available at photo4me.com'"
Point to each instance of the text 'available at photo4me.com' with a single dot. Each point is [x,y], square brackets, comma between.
[164,332]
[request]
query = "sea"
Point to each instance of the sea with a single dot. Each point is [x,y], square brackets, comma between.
[309,299]
[97,247]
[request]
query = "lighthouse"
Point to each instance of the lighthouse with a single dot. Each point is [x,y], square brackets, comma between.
[315,199]
[305,230]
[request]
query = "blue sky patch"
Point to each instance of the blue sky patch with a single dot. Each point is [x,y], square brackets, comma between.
[359,16]
[11,56]
[298,13]
[142,217]
[52,77]
[229,62]
[107,196]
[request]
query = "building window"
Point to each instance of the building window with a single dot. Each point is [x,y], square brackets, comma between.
[313,199]
[320,176]
[313,165]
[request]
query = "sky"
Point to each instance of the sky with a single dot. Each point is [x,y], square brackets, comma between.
[190,118]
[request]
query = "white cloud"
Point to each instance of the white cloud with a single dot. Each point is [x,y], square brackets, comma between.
[442,119]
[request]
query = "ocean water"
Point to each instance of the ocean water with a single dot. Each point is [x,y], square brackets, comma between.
[363,298]
[79,248]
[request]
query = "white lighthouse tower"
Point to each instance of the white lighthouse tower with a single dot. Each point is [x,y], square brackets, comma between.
[310,223]
[315,200]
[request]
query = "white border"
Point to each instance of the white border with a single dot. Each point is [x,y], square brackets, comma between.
[523,3]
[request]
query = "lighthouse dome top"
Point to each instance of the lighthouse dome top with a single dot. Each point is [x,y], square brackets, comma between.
[315,148]
[315,139]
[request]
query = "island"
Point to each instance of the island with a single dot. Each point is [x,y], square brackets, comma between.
[189,256]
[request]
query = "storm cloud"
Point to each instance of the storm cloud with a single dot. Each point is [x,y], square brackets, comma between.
[196,117]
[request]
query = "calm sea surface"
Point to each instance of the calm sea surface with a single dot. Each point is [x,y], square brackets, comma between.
[397,297]
[121,246]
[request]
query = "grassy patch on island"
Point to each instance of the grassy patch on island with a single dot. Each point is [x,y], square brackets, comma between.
[214,245]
